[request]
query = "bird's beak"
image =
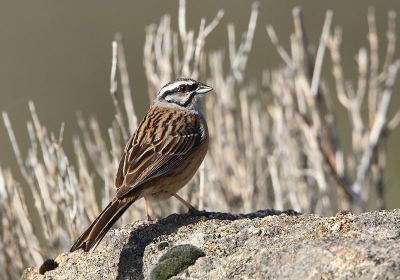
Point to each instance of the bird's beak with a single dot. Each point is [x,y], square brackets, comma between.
[202,89]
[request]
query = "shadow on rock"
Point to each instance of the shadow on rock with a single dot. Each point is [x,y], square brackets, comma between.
[131,258]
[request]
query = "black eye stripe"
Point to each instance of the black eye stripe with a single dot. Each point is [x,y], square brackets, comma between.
[193,87]
[187,88]
[181,89]
[180,92]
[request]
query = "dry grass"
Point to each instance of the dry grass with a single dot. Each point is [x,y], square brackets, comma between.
[273,145]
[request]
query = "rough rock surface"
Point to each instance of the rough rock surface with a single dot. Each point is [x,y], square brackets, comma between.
[263,245]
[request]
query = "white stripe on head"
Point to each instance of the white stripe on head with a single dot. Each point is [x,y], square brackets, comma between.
[175,84]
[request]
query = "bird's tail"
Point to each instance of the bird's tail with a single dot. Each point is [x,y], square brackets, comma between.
[89,240]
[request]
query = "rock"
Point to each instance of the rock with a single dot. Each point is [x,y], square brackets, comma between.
[266,244]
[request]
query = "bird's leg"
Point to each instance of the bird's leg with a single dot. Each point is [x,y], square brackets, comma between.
[187,204]
[146,201]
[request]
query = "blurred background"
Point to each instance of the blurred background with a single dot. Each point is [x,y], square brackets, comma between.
[58,54]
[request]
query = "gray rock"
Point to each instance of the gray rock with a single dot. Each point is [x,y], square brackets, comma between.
[263,245]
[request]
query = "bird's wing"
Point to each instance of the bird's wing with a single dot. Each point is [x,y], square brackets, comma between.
[141,163]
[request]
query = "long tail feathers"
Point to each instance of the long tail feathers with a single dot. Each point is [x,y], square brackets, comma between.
[89,240]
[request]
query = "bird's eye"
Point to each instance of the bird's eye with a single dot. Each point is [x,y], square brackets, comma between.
[182,88]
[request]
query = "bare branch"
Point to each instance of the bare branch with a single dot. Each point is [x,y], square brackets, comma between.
[209,28]
[374,64]
[333,44]
[320,54]
[123,70]
[113,90]
[182,23]
[14,144]
[274,39]
[394,122]
[379,124]
[391,47]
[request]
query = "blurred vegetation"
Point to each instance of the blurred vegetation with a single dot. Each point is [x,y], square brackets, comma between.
[273,144]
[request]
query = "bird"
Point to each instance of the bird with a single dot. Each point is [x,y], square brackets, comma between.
[160,158]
